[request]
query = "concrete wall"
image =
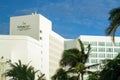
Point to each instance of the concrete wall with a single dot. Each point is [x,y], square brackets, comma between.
[29,25]
[56,48]
[37,27]
[25,25]
[22,48]
[70,43]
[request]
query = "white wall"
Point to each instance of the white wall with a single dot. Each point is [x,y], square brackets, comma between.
[22,48]
[13,47]
[19,24]
[29,25]
[56,48]
[98,38]
[45,27]
[70,43]
[39,29]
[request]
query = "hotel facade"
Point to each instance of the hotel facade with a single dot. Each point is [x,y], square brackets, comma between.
[102,48]
[32,40]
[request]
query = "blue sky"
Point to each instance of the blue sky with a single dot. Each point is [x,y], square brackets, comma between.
[70,18]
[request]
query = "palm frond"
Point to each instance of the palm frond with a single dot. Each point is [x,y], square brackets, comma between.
[113,13]
[21,71]
[69,57]
[91,66]
[40,77]
[114,19]
[81,46]
[87,54]
[60,75]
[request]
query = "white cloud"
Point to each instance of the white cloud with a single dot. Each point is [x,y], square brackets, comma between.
[26,11]
[56,9]
[94,8]
[79,11]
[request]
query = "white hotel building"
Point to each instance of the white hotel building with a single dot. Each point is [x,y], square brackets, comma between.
[32,39]
[102,48]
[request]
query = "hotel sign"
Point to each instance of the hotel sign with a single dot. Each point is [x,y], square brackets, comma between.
[23,27]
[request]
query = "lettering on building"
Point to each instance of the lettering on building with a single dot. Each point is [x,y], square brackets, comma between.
[23,27]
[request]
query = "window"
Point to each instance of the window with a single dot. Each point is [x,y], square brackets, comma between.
[109,55]
[93,55]
[40,31]
[101,60]
[40,38]
[93,60]
[85,42]
[109,44]
[101,43]
[93,43]
[115,55]
[101,49]
[117,50]
[117,44]
[86,49]
[101,55]
[93,49]
[109,50]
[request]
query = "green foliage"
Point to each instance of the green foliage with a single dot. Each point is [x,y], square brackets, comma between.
[70,57]
[73,61]
[111,70]
[21,71]
[93,77]
[114,19]
[61,74]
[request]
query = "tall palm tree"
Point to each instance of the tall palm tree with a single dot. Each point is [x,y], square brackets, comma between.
[111,70]
[114,19]
[75,60]
[21,71]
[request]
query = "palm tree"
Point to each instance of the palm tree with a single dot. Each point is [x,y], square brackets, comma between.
[75,60]
[41,76]
[73,78]
[61,74]
[114,19]
[111,70]
[21,71]
[94,76]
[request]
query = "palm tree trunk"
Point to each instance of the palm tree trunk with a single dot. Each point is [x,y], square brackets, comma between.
[78,76]
[81,76]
